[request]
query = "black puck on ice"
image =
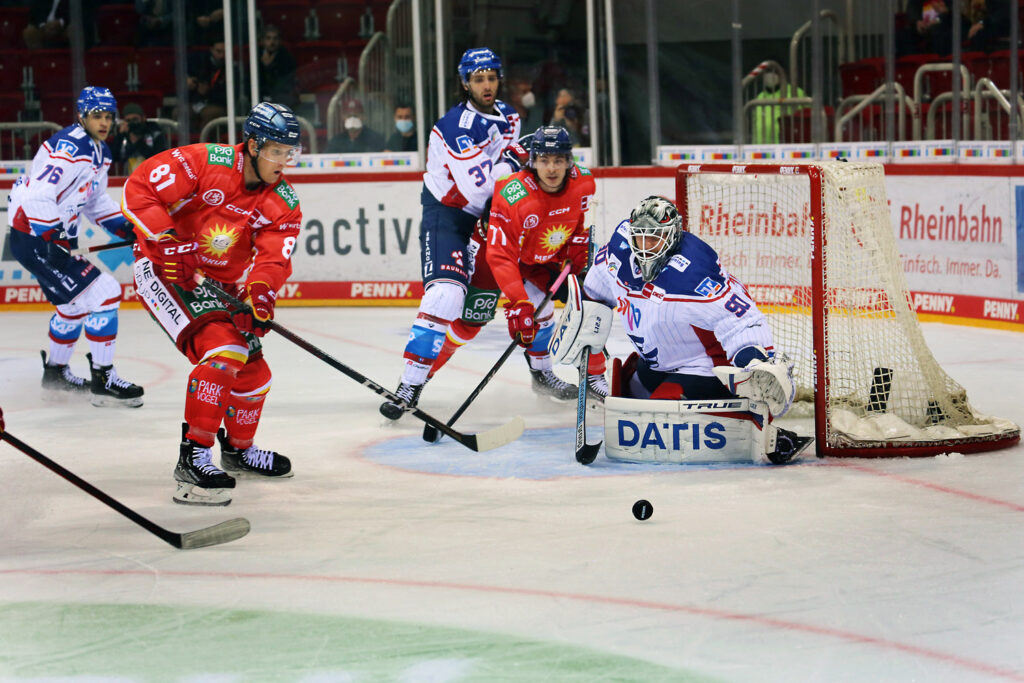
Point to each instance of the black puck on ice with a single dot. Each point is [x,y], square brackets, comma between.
[642,509]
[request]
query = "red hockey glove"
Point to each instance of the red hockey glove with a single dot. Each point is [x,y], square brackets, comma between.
[179,262]
[261,299]
[521,322]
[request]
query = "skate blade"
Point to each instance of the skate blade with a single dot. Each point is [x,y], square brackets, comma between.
[111,402]
[62,396]
[250,475]
[190,494]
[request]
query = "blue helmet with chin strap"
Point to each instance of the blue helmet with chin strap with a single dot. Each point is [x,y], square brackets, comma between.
[95,99]
[550,140]
[270,121]
[478,59]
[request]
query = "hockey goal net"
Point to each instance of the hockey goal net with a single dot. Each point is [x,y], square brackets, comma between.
[814,245]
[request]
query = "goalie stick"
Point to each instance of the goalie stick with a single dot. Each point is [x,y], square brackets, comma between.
[484,441]
[585,453]
[224,532]
[430,433]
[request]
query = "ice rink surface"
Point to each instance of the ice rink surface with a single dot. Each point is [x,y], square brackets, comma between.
[388,559]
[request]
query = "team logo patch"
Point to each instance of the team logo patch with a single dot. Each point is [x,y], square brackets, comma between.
[66,147]
[213,197]
[230,411]
[464,142]
[285,192]
[531,221]
[193,385]
[220,155]
[513,192]
[219,239]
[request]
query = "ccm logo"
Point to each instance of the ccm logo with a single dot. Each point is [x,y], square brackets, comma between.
[179,249]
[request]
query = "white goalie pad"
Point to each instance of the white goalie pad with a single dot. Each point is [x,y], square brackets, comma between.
[584,324]
[768,381]
[718,430]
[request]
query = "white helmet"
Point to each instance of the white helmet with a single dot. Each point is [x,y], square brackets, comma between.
[654,217]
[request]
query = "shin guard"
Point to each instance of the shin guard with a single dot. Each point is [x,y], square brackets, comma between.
[245,403]
[208,388]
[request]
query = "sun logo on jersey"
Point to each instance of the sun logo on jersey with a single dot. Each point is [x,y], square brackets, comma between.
[554,237]
[219,239]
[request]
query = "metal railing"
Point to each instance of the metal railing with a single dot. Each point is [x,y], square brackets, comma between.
[29,130]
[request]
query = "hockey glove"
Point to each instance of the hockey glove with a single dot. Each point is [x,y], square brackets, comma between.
[179,262]
[261,299]
[516,156]
[57,254]
[123,229]
[521,322]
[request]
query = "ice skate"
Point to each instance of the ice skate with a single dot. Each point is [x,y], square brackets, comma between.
[252,461]
[410,395]
[547,383]
[108,389]
[199,480]
[58,380]
[597,388]
[788,445]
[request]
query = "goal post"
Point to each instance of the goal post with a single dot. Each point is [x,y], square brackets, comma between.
[813,244]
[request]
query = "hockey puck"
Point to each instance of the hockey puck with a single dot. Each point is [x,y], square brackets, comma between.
[642,509]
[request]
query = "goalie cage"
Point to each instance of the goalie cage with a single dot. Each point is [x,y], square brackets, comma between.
[838,303]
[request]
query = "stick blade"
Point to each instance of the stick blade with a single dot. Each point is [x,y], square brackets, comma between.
[587,453]
[499,436]
[225,532]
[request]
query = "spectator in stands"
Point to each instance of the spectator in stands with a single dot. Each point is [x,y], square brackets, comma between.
[929,26]
[404,137]
[207,83]
[987,24]
[47,24]
[569,115]
[155,23]
[277,70]
[207,23]
[520,96]
[766,118]
[136,139]
[356,137]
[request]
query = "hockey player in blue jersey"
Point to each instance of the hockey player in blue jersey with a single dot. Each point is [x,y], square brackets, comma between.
[68,181]
[470,147]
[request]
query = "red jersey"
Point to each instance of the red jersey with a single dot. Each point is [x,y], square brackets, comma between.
[197,193]
[532,227]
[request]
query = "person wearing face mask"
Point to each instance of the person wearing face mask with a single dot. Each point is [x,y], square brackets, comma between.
[136,139]
[357,137]
[404,137]
[766,119]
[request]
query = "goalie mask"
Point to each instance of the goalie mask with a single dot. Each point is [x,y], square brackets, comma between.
[655,228]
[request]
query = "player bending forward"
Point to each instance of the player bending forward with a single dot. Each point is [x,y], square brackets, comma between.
[536,225]
[68,179]
[700,342]
[227,213]
[467,154]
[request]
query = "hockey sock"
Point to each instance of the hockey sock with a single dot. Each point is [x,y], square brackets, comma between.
[101,331]
[596,364]
[208,386]
[245,403]
[64,332]
[459,334]
[441,303]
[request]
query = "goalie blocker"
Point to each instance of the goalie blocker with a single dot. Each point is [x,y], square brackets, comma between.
[702,431]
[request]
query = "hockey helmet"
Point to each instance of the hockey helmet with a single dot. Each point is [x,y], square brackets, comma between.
[654,217]
[550,140]
[95,99]
[270,121]
[478,59]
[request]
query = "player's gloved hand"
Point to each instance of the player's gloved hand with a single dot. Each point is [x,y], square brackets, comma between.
[123,230]
[521,322]
[261,299]
[516,156]
[179,262]
[57,253]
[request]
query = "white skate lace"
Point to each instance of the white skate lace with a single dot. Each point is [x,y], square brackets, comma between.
[259,458]
[202,460]
[113,379]
[553,380]
[406,392]
[598,384]
[71,378]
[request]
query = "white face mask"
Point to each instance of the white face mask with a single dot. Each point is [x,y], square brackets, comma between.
[353,123]
[771,80]
[529,99]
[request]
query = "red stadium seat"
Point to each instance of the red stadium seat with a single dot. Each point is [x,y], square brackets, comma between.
[289,16]
[150,100]
[51,71]
[11,62]
[11,104]
[862,77]
[317,63]
[13,21]
[117,24]
[58,107]
[156,69]
[108,66]
[339,20]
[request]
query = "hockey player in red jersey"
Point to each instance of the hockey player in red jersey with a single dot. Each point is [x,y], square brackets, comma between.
[536,224]
[229,214]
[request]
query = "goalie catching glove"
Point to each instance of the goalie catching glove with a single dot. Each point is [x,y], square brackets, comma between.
[584,324]
[761,377]
[261,299]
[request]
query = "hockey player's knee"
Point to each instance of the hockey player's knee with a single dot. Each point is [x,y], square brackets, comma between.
[65,328]
[254,379]
[461,332]
[101,326]
[443,300]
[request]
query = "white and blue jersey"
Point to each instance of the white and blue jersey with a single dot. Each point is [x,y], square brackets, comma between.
[690,318]
[463,157]
[67,180]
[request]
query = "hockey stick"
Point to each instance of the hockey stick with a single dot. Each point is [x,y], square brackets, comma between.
[430,434]
[82,251]
[585,452]
[224,532]
[484,441]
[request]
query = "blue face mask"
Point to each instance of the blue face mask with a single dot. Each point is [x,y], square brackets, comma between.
[403,125]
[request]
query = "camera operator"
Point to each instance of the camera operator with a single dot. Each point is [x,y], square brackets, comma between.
[136,139]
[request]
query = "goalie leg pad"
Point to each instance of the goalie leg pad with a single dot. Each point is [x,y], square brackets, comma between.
[582,324]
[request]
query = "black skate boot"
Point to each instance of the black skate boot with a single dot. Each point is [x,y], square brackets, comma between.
[597,388]
[410,395]
[110,390]
[199,480]
[787,446]
[547,383]
[252,461]
[59,378]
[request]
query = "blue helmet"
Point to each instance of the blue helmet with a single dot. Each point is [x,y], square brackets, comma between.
[478,59]
[269,121]
[95,99]
[550,140]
